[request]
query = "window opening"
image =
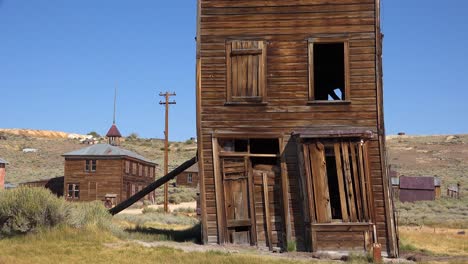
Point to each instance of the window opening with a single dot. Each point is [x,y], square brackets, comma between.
[264,146]
[328,70]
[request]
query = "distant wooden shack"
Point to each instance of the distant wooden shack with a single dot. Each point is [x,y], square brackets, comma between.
[3,164]
[106,172]
[291,138]
[189,177]
[453,191]
[418,188]
[55,185]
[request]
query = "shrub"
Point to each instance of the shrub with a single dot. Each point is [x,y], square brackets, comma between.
[292,247]
[94,134]
[149,210]
[85,214]
[25,209]
[186,210]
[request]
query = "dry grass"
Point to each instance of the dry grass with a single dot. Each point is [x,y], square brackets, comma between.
[66,245]
[437,241]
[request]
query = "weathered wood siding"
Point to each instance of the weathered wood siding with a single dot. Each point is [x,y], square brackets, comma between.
[109,178]
[286,27]
[182,179]
[94,185]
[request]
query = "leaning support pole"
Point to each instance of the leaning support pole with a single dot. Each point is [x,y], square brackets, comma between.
[137,196]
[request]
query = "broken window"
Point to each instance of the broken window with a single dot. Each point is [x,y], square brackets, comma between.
[339,180]
[73,191]
[245,63]
[328,70]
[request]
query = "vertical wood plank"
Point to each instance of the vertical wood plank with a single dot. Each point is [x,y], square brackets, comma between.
[220,214]
[229,73]
[320,181]
[311,70]
[339,174]
[267,209]
[263,71]
[348,181]
[363,180]
[253,221]
[369,182]
[285,192]
[309,198]
[356,184]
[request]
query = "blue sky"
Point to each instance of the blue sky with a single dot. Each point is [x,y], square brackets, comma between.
[61,60]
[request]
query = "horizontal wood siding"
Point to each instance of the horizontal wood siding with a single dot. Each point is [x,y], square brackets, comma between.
[107,178]
[182,179]
[286,27]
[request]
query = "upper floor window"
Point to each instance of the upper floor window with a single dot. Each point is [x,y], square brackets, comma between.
[140,170]
[90,165]
[246,71]
[134,168]
[127,167]
[151,171]
[328,70]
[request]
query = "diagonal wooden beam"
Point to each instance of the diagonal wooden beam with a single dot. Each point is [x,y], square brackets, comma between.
[139,195]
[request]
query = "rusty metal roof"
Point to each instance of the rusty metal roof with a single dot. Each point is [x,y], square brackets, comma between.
[193,168]
[417,183]
[113,132]
[106,150]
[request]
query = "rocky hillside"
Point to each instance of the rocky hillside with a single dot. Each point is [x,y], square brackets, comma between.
[47,161]
[443,156]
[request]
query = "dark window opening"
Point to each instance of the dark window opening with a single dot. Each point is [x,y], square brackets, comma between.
[333,187]
[329,71]
[265,161]
[264,146]
[234,145]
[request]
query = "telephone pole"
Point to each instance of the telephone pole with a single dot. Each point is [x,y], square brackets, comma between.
[166,102]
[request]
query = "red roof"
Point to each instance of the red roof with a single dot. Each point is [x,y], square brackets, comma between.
[113,132]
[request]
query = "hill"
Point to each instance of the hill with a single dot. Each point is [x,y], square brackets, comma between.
[443,156]
[47,162]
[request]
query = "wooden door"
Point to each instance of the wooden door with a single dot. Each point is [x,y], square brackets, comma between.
[237,200]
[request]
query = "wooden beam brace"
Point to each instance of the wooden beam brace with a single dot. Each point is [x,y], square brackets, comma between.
[139,195]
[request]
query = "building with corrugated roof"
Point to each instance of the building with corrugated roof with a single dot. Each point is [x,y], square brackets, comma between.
[106,172]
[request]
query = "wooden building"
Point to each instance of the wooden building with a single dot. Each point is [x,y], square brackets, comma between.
[3,164]
[189,177]
[290,125]
[106,172]
[54,185]
[417,188]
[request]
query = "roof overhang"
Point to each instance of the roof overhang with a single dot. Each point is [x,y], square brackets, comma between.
[338,132]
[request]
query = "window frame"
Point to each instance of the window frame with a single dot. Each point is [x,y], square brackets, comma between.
[127,167]
[262,73]
[74,191]
[90,165]
[189,177]
[347,80]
